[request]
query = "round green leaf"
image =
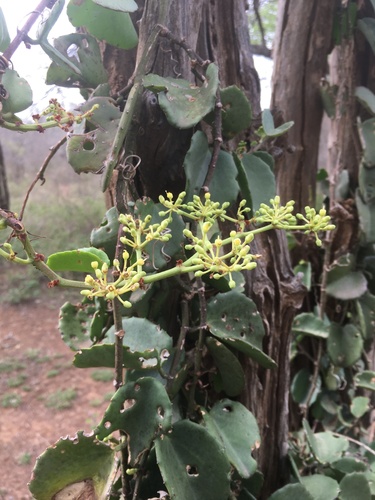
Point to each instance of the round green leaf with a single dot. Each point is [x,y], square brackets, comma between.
[77,260]
[230,369]
[183,103]
[85,66]
[223,187]
[269,126]
[321,487]
[325,446]
[20,93]
[309,324]
[355,486]
[359,406]
[193,463]
[256,177]
[365,379]
[235,427]
[4,34]
[105,236]
[344,345]
[347,465]
[72,460]
[301,386]
[143,410]
[234,319]
[113,26]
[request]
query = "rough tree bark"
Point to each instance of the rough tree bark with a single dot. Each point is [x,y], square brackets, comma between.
[4,193]
[218,31]
[302,43]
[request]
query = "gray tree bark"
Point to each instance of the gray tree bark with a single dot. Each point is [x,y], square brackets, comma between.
[302,44]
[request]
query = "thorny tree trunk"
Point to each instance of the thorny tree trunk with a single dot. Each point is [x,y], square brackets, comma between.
[302,43]
[4,193]
[218,31]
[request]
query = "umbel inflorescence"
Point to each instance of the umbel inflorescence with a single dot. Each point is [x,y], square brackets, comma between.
[215,256]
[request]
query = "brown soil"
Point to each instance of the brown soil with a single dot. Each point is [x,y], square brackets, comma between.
[31,346]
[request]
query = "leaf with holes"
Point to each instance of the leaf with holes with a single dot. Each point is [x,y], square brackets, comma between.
[309,324]
[86,70]
[141,336]
[235,427]
[146,346]
[20,93]
[82,461]
[365,379]
[105,22]
[77,260]
[193,463]
[86,152]
[325,447]
[232,376]
[344,345]
[103,356]
[183,103]
[104,237]
[73,324]
[143,410]
[234,319]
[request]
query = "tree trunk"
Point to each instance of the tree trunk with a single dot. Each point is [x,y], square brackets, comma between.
[218,31]
[302,44]
[4,193]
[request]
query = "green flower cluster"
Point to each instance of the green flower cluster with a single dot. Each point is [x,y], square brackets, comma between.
[212,255]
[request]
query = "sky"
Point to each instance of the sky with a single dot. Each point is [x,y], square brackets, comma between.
[32,64]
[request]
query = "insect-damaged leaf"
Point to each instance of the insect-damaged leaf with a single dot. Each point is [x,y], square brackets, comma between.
[193,463]
[236,428]
[86,152]
[183,103]
[234,319]
[72,460]
[143,410]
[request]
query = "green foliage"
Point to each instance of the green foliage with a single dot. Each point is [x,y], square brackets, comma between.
[78,459]
[184,104]
[111,24]
[4,35]
[163,295]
